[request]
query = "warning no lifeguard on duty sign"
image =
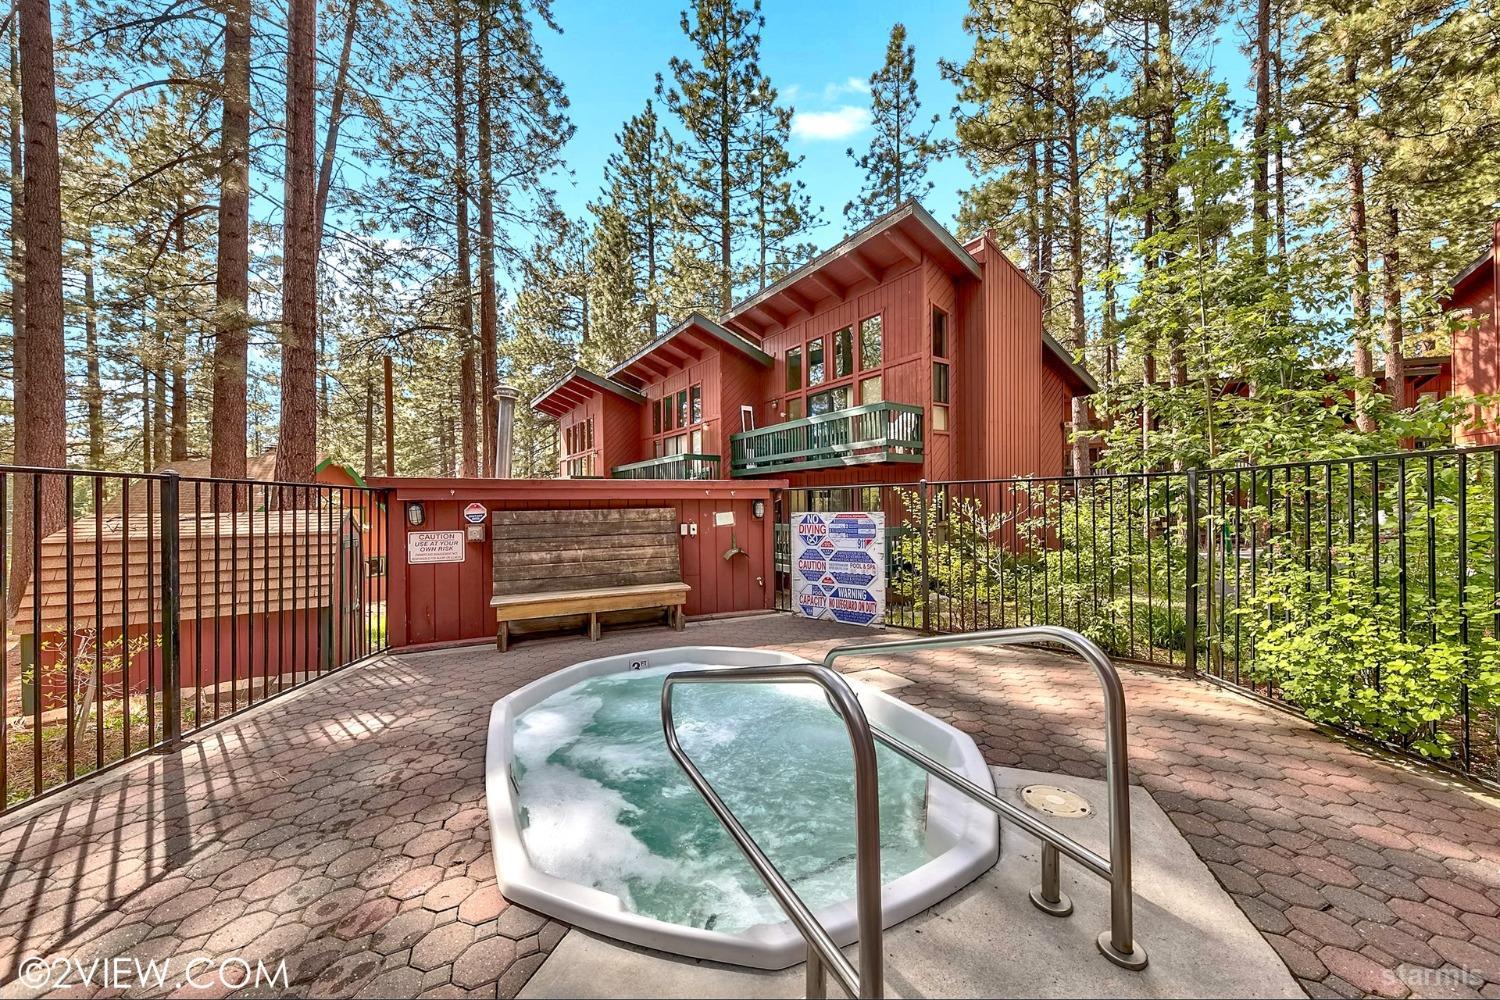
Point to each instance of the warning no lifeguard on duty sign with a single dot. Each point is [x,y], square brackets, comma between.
[838,567]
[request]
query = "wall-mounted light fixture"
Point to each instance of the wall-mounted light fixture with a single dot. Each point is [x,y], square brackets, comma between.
[416,514]
[758,508]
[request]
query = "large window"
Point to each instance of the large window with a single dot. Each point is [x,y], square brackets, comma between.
[843,353]
[871,347]
[672,418]
[939,333]
[833,365]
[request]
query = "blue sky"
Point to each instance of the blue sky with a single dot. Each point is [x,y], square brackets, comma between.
[610,52]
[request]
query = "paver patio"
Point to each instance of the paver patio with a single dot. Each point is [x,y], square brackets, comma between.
[343,828]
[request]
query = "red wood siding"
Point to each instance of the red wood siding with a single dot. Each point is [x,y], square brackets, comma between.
[1476,350]
[998,377]
[621,442]
[450,602]
[1054,411]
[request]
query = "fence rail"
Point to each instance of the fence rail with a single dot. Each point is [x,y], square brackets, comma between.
[142,608]
[1363,592]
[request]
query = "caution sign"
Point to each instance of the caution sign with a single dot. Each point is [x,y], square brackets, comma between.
[839,567]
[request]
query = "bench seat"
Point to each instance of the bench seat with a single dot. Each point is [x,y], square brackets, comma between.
[560,563]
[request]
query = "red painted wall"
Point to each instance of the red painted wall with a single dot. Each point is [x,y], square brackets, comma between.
[1476,350]
[1006,422]
[449,602]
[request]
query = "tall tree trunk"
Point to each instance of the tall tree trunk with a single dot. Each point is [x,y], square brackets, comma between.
[232,284]
[177,341]
[1359,251]
[45,418]
[1082,425]
[93,393]
[297,437]
[1166,68]
[1261,200]
[489,320]
[1148,225]
[148,458]
[17,256]
[468,405]
[335,118]
[160,349]
[1390,287]
[1278,147]
[369,465]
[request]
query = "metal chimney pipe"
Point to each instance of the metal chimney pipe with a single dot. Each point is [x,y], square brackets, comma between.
[505,417]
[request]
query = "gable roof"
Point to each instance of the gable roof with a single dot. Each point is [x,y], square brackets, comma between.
[577,386]
[682,345]
[903,236]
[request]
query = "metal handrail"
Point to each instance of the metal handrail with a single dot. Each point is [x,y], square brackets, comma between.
[822,952]
[1118,943]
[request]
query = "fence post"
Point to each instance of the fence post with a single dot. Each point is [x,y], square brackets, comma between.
[1192,572]
[171,616]
[926,611]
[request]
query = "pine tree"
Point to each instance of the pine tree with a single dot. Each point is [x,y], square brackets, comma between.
[296,443]
[733,187]
[634,219]
[901,148]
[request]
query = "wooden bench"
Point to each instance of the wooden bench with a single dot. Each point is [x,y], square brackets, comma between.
[555,563]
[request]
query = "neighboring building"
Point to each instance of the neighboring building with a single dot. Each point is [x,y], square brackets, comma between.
[897,355]
[1476,349]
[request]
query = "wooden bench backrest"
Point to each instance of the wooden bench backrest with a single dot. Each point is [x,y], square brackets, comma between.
[539,551]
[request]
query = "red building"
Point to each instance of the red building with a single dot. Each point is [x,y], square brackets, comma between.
[1476,349]
[897,355]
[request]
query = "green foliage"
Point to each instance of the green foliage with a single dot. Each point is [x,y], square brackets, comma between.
[1342,655]
[901,146]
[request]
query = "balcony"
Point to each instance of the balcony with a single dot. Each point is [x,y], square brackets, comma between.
[875,432]
[670,467]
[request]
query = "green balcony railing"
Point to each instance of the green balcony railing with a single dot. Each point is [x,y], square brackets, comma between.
[670,467]
[875,432]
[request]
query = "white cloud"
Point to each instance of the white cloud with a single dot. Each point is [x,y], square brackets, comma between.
[853,85]
[830,126]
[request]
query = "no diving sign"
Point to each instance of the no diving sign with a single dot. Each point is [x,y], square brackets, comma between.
[839,562]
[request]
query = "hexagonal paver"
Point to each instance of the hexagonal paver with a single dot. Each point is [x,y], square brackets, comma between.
[345,825]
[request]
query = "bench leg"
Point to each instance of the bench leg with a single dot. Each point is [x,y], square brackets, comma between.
[678,618]
[594,625]
[502,637]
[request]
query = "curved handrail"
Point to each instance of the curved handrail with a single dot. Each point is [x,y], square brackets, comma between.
[822,952]
[1118,943]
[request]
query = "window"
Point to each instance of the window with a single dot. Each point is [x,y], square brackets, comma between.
[940,395]
[871,347]
[697,448]
[843,352]
[695,397]
[827,402]
[794,369]
[817,371]
[656,416]
[666,413]
[682,408]
[794,408]
[870,390]
[940,392]
[591,433]
[939,334]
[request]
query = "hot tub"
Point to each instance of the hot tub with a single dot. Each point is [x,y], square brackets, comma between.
[593,823]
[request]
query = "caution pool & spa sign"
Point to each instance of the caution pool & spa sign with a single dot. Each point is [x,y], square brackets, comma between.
[838,567]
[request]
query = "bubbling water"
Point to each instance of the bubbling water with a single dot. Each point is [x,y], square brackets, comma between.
[603,804]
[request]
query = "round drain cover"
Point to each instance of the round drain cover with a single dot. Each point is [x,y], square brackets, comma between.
[1054,801]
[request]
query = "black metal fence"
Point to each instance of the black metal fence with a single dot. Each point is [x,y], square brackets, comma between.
[141,608]
[1363,592]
